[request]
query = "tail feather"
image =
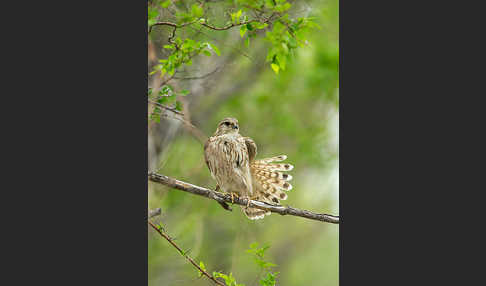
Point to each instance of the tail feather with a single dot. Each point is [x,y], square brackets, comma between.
[276,183]
[254,213]
[269,183]
[272,167]
[271,174]
[272,159]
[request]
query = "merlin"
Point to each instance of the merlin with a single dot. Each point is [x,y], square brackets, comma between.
[231,160]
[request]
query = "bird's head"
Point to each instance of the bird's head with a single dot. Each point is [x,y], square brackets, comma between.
[228,126]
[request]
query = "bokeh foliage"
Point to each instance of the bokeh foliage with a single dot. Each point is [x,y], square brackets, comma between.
[293,112]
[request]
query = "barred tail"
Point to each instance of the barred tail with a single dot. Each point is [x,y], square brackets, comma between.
[254,213]
[270,184]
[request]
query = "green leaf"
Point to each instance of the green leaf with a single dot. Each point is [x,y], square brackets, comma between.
[207,53]
[285,48]
[269,280]
[165,90]
[155,117]
[282,8]
[178,106]
[275,68]
[247,42]
[189,43]
[238,15]
[260,25]
[197,11]
[243,30]
[282,61]
[215,49]
[184,92]
[203,267]
[292,43]
[165,4]
[184,17]
[152,16]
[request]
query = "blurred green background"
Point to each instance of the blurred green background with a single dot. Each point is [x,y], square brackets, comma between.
[293,113]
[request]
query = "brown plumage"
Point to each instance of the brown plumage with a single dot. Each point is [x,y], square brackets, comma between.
[231,160]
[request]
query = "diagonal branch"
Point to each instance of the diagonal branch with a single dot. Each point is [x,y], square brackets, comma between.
[171,241]
[226,198]
[198,134]
[165,107]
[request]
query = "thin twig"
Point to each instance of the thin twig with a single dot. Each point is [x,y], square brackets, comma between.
[167,80]
[174,25]
[222,43]
[177,26]
[228,26]
[238,24]
[199,77]
[224,197]
[211,277]
[165,107]
[198,134]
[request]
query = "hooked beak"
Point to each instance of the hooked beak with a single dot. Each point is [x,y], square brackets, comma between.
[235,127]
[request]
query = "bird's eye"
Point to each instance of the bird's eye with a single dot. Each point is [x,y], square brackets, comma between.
[227,123]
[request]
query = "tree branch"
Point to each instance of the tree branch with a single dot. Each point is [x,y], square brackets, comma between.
[198,134]
[211,277]
[226,198]
[177,26]
[165,107]
[228,26]
[174,25]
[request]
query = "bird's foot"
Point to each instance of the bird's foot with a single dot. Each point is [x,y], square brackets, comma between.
[233,195]
[248,202]
[225,206]
[222,203]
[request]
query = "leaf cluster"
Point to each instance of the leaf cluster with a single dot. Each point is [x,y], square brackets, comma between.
[183,52]
[270,278]
[228,279]
[166,97]
[282,32]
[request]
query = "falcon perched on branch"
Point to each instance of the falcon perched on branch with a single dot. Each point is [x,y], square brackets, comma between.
[231,160]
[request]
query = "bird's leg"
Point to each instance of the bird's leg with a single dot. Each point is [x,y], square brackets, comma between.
[223,204]
[248,202]
[233,195]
